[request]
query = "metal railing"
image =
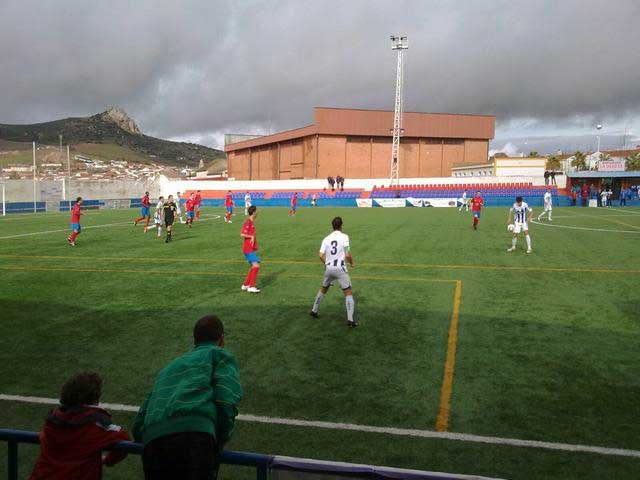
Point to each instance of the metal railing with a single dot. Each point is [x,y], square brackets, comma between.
[14,437]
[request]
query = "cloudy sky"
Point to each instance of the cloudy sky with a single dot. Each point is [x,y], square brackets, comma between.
[196,69]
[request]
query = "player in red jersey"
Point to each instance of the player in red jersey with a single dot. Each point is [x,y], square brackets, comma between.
[250,249]
[75,222]
[197,199]
[294,204]
[190,206]
[228,206]
[476,205]
[145,211]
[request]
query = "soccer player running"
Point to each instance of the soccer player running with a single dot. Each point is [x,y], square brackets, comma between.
[477,203]
[463,202]
[334,250]
[522,216]
[198,200]
[179,207]
[76,213]
[144,211]
[169,211]
[548,206]
[250,249]
[158,215]
[247,203]
[228,206]
[294,204]
[190,207]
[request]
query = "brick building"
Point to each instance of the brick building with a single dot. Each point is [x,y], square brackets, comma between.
[357,144]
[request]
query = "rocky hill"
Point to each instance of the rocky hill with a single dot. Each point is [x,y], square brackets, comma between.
[112,126]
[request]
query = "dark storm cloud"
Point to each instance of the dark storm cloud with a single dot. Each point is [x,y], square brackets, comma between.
[192,68]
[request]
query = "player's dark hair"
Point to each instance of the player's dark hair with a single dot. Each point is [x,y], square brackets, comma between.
[252,209]
[208,329]
[146,193]
[336,223]
[518,199]
[78,199]
[84,388]
[160,197]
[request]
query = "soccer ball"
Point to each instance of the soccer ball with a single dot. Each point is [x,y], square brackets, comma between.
[511,227]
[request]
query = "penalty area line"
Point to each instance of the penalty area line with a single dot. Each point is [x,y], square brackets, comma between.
[107,225]
[609,230]
[403,432]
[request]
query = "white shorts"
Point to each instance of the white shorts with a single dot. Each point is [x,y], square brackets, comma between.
[548,208]
[338,274]
[520,227]
[158,219]
[247,205]
[178,211]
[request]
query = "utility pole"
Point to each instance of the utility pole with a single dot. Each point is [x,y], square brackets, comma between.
[399,43]
[69,175]
[35,206]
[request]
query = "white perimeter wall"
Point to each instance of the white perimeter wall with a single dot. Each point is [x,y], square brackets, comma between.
[169,187]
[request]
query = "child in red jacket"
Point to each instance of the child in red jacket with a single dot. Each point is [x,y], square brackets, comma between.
[74,434]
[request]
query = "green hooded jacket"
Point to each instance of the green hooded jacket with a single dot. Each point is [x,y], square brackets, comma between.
[197,392]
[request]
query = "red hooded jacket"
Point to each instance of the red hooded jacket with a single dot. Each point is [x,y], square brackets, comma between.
[71,444]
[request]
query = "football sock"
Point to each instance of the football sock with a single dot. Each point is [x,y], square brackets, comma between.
[475,220]
[248,277]
[198,214]
[351,306]
[316,303]
[514,240]
[159,231]
[148,220]
[73,237]
[528,238]
[139,219]
[253,276]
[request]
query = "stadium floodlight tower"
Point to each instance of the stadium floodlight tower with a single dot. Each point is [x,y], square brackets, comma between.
[399,43]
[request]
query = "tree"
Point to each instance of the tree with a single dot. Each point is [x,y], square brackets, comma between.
[553,163]
[533,154]
[579,161]
[604,157]
[633,162]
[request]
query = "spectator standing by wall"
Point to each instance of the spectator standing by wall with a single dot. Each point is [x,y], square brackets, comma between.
[552,174]
[190,413]
[585,194]
[331,182]
[74,434]
[623,197]
[546,177]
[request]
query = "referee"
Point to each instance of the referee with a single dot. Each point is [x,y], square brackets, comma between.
[169,210]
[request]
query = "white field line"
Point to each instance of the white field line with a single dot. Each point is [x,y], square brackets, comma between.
[585,228]
[404,432]
[209,217]
[614,215]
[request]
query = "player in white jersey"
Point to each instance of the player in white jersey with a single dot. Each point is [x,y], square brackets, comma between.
[463,202]
[247,203]
[179,208]
[334,252]
[522,216]
[158,215]
[548,205]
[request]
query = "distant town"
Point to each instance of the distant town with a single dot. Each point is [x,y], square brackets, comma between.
[52,164]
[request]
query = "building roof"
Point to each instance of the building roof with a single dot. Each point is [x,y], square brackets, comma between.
[378,123]
[598,174]
[612,153]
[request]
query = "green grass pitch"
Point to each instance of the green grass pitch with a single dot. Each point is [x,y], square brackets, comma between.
[547,344]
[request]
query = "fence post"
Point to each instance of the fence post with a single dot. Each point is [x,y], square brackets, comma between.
[262,472]
[13,461]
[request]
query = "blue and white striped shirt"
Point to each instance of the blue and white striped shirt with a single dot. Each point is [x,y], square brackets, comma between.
[520,212]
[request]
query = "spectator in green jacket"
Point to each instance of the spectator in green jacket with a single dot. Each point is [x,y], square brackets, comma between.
[190,413]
